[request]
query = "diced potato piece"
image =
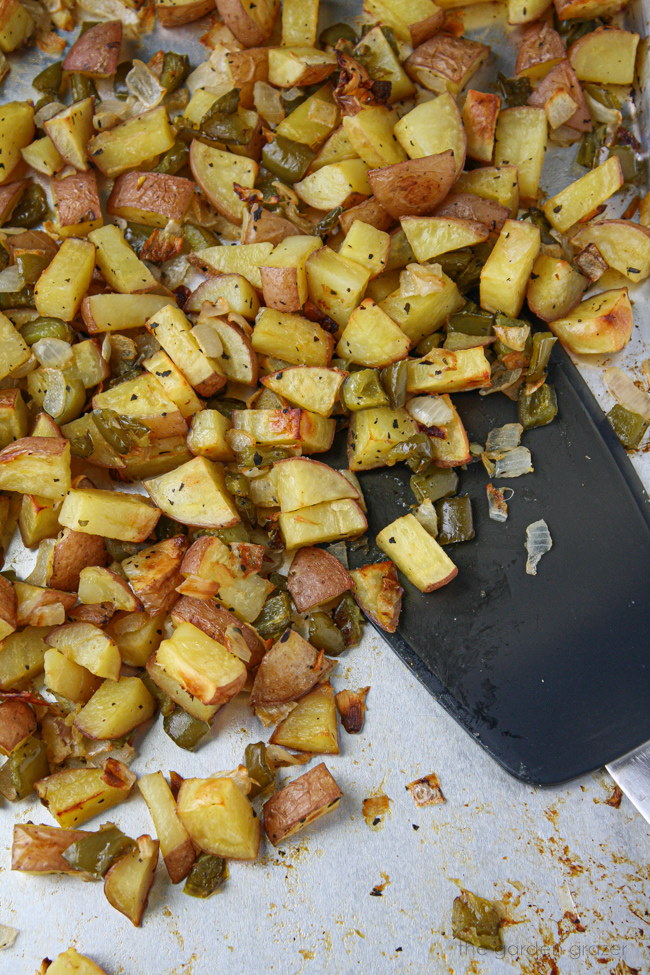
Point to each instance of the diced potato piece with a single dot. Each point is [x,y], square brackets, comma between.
[316,433]
[14,351]
[557,89]
[337,184]
[524,11]
[313,388]
[251,21]
[137,636]
[71,130]
[373,433]
[416,553]
[121,268]
[301,482]
[17,724]
[452,450]
[554,288]
[312,725]
[234,289]
[505,274]
[70,962]
[583,197]
[152,199]
[119,312]
[520,141]
[431,236]
[173,330]
[131,143]
[605,56]
[171,687]
[154,573]
[13,416]
[215,171]
[377,590]
[413,22]
[370,132]
[316,577]
[336,284]
[77,204]
[623,244]
[16,25]
[68,679]
[287,671]
[36,465]
[216,621]
[366,246]
[43,156]
[63,284]
[433,127]
[480,113]
[245,259]
[299,65]
[207,436]
[269,426]
[174,383]
[16,132]
[371,338]
[111,514]
[96,52]
[498,183]
[194,494]
[237,359]
[37,849]
[449,371]
[585,9]
[175,843]
[292,338]
[384,64]
[313,120]
[176,13]
[300,22]
[219,818]
[129,880]
[201,665]
[299,803]
[560,108]
[328,521]
[39,606]
[541,48]
[75,795]
[89,647]
[599,324]
[21,657]
[115,709]
[144,399]
[446,63]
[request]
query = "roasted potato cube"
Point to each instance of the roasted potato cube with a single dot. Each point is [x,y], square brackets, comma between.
[216,621]
[416,186]
[36,465]
[100,585]
[541,48]
[171,687]
[624,245]
[246,68]
[21,657]
[312,725]
[336,285]
[131,143]
[251,21]
[152,199]
[448,371]
[207,436]
[120,267]
[301,482]
[70,962]
[16,25]
[561,81]
[154,573]
[145,400]
[68,679]
[370,133]
[175,844]
[219,818]
[586,9]
[505,274]
[451,450]
[446,63]
[480,113]
[520,141]
[43,156]
[201,665]
[75,795]
[13,416]
[425,299]
[175,13]
[38,848]
[374,432]
[377,590]
[96,52]
[431,236]
[194,494]
[299,803]
[77,205]
[72,552]
[71,130]
[111,514]
[371,338]
[287,671]
[554,288]
[62,286]
[605,56]
[16,132]
[316,577]
[234,289]
[115,709]
[173,330]
[413,23]
[129,880]
[292,338]
[215,171]
[599,324]
[299,65]
[119,312]
[280,426]
[334,185]
[584,196]
[329,521]
[17,723]
[416,553]
[137,636]
[246,259]
[313,388]
[89,647]
[498,183]
[37,606]
[299,22]
[433,127]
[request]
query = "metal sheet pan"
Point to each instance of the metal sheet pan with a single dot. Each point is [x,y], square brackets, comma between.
[307,908]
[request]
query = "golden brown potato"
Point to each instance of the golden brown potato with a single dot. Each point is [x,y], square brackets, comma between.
[175,13]
[415,187]
[305,799]
[38,848]
[99,614]
[152,199]
[37,606]
[446,63]
[247,67]
[129,879]
[76,200]
[17,722]
[311,726]
[215,620]
[379,594]
[480,113]
[175,844]
[586,9]
[72,552]
[96,52]
[315,577]
[251,21]
[36,465]
[540,50]
[289,669]
[469,206]
[369,211]
[262,226]
[7,608]
[154,573]
[562,76]
[602,323]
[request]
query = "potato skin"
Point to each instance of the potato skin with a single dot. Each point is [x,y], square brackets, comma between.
[215,620]
[72,553]
[414,187]
[316,577]
[97,51]
[290,669]
[175,13]
[159,196]
[76,199]
[250,32]
[303,800]
[469,206]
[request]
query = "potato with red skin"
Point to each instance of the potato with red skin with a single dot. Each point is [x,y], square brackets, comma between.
[39,848]
[214,620]
[175,13]
[378,593]
[7,608]
[563,76]
[316,577]
[414,187]
[251,21]
[10,193]
[73,552]
[152,199]
[288,670]
[17,722]
[469,206]
[480,113]
[302,801]
[154,573]
[96,52]
[540,50]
